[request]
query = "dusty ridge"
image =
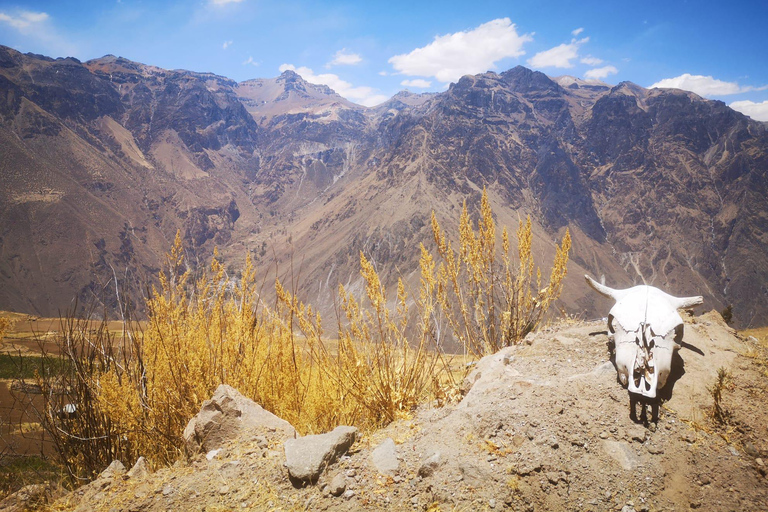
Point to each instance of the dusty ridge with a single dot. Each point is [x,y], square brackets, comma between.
[545,426]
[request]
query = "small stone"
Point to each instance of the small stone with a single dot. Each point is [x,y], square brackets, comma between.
[750,449]
[338,485]
[759,462]
[384,457]
[167,490]
[689,437]
[655,450]
[351,473]
[603,435]
[430,464]
[224,489]
[139,470]
[492,503]
[553,477]
[637,434]
[705,480]
[349,493]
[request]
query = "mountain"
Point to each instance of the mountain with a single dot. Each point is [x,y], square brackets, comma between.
[104,160]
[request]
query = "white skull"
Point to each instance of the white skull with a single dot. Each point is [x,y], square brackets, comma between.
[647,329]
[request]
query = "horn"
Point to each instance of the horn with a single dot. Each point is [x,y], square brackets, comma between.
[687,302]
[604,290]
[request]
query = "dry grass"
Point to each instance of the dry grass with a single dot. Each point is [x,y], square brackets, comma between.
[135,389]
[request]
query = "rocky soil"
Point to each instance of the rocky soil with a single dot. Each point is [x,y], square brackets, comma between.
[543,426]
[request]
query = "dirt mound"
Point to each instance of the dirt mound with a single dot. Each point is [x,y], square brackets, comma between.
[544,426]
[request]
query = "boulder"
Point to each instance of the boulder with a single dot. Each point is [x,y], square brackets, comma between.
[229,415]
[307,457]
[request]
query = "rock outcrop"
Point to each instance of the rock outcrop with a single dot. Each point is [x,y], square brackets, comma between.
[229,416]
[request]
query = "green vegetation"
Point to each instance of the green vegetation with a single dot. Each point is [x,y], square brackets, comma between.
[26,367]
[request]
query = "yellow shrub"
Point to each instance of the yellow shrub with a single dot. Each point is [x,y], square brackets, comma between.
[490,305]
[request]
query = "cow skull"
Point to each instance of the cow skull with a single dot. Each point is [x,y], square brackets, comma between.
[647,329]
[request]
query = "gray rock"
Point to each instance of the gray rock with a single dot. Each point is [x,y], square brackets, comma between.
[114,469]
[338,485]
[139,470]
[384,457]
[430,463]
[229,415]
[622,454]
[307,457]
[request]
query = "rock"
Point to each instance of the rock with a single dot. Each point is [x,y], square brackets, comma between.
[307,457]
[637,434]
[139,470]
[114,469]
[384,457]
[621,453]
[750,450]
[229,415]
[338,485]
[167,490]
[349,494]
[430,463]
[655,450]
[473,475]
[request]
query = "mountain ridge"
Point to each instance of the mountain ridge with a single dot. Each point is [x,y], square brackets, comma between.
[656,185]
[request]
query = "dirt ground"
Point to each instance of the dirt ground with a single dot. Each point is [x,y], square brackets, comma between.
[545,426]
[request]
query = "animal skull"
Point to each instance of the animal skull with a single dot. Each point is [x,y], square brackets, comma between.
[647,329]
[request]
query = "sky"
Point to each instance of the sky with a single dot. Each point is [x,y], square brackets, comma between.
[369,50]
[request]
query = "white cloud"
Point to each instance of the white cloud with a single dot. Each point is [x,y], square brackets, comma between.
[452,56]
[363,95]
[577,31]
[419,83]
[383,73]
[344,58]
[600,73]
[559,56]
[591,61]
[224,2]
[757,111]
[39,27]
[250,61]
[226,44]
[701,85]
[24,19]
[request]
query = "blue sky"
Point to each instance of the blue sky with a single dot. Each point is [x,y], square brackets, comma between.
[369,50]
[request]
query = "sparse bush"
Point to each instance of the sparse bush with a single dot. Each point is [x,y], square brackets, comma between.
[719,413]
[490,304]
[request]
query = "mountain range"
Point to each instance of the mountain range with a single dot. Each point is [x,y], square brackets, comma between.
[103,161]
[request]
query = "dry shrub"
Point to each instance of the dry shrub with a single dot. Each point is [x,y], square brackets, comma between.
[135,395]
[382,366]
[490,304]
[724,381]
